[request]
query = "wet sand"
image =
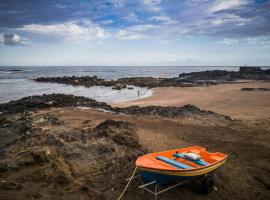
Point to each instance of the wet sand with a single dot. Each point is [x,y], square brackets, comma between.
[227,99]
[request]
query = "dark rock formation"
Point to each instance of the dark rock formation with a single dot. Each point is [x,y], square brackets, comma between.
[62,100]
[87,81]
[121,132]
[51,139]
[254,70]
[255,89]
[141,81]
[245,73]
[183,80]
[57,168]
[119,86]
[11,70]
[169,111]
[50,100]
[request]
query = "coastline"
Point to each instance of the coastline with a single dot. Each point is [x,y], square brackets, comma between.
[226,99]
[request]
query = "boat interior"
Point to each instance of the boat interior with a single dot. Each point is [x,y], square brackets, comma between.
[178,159]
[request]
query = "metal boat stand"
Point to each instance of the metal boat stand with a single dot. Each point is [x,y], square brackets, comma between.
[155,188]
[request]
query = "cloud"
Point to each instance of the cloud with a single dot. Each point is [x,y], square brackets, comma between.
[229,41]
[86,20]
[222,5]
[72,30]
[252,40]
[138,32]
[152,5]
[13,40]
[107,22]
[230,18]
[131,17]
[164,19]
[264,41]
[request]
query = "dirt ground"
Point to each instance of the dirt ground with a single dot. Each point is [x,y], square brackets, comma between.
[247,142]
[227,99]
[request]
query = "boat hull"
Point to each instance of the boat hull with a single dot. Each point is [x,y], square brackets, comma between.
[163,178]
[149,174]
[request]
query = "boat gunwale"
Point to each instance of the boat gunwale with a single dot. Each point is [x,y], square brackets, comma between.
[194,172]
[181,170]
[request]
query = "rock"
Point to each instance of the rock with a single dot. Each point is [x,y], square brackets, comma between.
[48,169]
[24,123]
[52,140]
[119,87]
[255,89]
[40,120]
[37,195]
[51,100]
[141,81]
[87,81]
[262,179]
[3,167]
[52,120]
[87,121]
[250,70]
[183,80]
[5,123]
[43,154]
[61,100]
[5,185]
[121,132]
[35,156]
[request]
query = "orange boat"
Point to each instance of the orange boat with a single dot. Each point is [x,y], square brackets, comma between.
[179,164]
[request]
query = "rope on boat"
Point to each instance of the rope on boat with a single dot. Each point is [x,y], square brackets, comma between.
[130,179]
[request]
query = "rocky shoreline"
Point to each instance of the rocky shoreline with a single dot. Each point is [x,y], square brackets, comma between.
[183,80]
[33,103]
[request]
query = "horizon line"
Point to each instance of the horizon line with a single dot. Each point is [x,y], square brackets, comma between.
[134,65]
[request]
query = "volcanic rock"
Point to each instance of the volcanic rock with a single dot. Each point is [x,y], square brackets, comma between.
[121,132]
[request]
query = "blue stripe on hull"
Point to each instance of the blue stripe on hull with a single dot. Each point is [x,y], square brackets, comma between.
[163,178]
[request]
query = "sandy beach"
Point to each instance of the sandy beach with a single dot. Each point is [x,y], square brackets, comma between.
[227,99]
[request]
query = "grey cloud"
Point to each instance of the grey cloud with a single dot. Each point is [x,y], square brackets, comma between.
[13,40]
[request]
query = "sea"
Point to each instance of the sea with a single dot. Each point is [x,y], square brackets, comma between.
[17,81]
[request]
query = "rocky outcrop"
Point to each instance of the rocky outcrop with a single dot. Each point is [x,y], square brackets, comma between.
[121,132]
[50,100]
[255,89]
[61,100]
[87,81]
[169,111]
[141,81]
[183,80]
[49,165]
[245,73]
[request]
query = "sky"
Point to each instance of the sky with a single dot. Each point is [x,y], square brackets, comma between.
[134,32]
